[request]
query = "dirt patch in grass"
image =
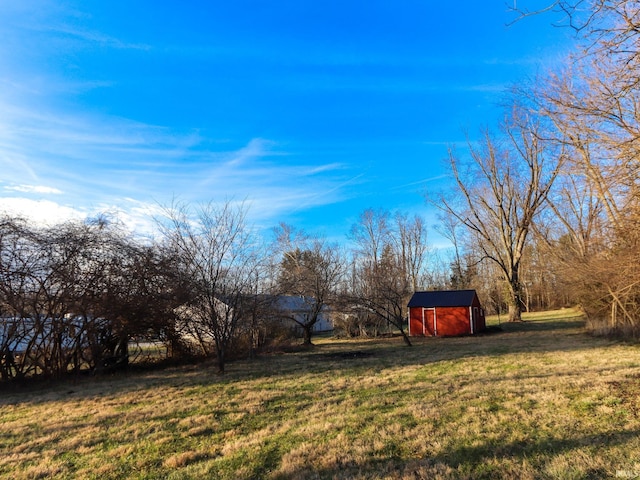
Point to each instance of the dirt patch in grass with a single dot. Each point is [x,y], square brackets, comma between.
[352,355]
[626,392]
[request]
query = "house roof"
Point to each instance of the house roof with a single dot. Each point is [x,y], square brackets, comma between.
[442,298]
[292,303]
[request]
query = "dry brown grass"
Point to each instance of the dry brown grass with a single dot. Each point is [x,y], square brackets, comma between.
[539,400]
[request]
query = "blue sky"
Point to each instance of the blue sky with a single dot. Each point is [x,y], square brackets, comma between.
[310,112]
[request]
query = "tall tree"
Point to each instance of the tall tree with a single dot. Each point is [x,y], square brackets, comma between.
[500,193]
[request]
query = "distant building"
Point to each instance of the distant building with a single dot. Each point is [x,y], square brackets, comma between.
[291,309]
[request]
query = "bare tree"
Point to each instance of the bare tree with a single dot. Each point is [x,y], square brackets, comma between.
[72,296]
[500,194]
[217,256]
[389,264]
[593,105]
[410,241]
[382,291]
[310,269]
[372,233]
[20,261]
[450,227]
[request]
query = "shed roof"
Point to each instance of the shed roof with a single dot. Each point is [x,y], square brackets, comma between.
[443,298]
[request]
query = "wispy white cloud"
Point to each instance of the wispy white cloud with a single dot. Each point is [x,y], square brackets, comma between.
[137,216]
[96,163]
[424,181]
[256,148]
[56,19]
[34,189]
[92,36]
[323,197]
[326,168]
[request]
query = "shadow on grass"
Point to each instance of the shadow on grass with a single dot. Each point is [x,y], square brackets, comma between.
[489,460]
[532,447]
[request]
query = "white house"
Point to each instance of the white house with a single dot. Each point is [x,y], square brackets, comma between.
[294,309]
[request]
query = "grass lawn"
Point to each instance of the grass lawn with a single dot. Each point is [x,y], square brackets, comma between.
[540,399]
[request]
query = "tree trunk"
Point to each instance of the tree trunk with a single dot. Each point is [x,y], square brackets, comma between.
[220,358]
[405,338]
[515,313]
[515,303]
[515,294]
[307,331]
[122,350]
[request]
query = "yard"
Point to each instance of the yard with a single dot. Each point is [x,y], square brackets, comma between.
[540,399]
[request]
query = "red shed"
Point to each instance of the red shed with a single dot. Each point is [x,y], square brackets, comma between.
[445,312]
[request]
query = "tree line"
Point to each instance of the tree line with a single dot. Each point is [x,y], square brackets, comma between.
[76,296]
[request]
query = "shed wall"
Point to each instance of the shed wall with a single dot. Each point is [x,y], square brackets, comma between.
[452,321]
[478,315]
[448,321]
[415,321]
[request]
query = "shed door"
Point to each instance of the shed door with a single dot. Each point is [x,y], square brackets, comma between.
[429,315]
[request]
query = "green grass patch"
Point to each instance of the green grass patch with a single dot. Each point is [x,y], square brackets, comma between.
[564,315]
[540,399]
